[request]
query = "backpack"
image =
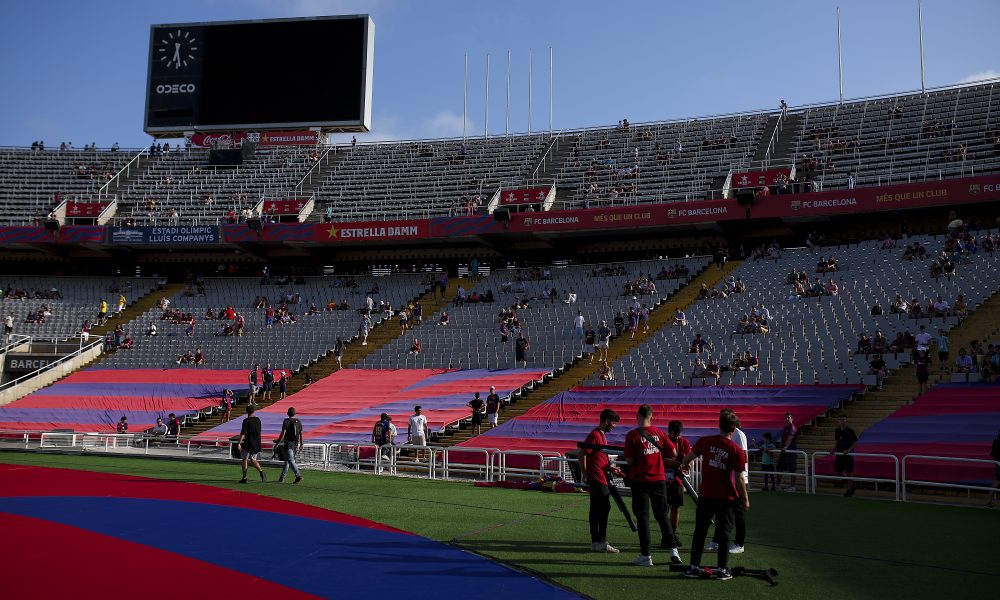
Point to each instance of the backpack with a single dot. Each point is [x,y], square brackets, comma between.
[293,430]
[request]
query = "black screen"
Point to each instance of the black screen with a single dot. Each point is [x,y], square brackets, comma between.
[300,72]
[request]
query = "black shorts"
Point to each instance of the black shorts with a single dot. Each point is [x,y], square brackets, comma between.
[768,468]
[843,464]
[675,494]
[8,329]
[943,356]
[519,356]
[477,418]
[788,463]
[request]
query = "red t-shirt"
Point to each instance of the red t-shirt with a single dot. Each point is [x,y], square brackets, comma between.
[721,458]
[597,460]
[683,449]
[646,462]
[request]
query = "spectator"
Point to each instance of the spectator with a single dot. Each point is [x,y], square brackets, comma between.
[199,357]
[226,406]
[122,426]
[699,372]
[102,313]
[478,410]
[578,324]
[964,363]
[444,318]
[877,368]
[291,437]
[843,463]
[590,342]
[173,427]
[364,329]
[415,347]
[268,376]
[8,326]
[603,342]
[787,460]
[832,289]
[941,307]
[922,360]
[698,345]
[767,461]
[606,373]
[160,429]
[492,407]
[679,318]
[521,346]
[282,385]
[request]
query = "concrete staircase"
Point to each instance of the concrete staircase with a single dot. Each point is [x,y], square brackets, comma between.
[380,335]
[785,144]
[582,369]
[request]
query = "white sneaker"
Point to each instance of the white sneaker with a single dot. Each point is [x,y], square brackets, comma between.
[711,547]
[643,561]
[789,489]
[736,549]
[675,556]
[604,547]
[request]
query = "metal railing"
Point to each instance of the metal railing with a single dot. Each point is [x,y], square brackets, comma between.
[905,481]
[125,171]
[895,481]
[15,383]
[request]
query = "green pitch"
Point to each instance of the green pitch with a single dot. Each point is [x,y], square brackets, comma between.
[824,547]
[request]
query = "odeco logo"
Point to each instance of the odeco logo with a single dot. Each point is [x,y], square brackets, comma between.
[177,88]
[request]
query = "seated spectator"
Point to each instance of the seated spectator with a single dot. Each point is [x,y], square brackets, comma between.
[864,345]
[739,287]
[122,426]
[679,318]
[880,343]
[961,308]
[699,372]
[186,358]
[899,306]
[570,297]
[160,429]
[698,344]
[751,361]
[941,307]
[444,318]
[712,371]
[964,363]
[415,347]
[606,373]
[832,289]
[877,368]
[876,309]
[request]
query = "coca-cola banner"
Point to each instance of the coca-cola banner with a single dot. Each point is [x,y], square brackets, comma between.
[84,210]
[751,179]
[533,195]
[264,139]
[284,207]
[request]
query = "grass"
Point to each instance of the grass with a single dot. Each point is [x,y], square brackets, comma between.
[823,546]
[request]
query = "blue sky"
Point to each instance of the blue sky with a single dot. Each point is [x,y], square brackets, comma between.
[75,71]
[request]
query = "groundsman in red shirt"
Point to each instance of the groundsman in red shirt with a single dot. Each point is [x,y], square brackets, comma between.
[722,486]
[595,465]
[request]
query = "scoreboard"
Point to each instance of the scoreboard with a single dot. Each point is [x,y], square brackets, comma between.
[254,75]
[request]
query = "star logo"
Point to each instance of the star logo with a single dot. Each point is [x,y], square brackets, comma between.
[332,231]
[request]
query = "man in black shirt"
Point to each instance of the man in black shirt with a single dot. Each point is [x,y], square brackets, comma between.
[843,463]
[492,407]
[521,346]
[478,407]
[249,444]
[291,436]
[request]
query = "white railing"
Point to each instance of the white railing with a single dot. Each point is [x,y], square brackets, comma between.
[12,341]
[126,171]
[895,481]
[905,481]
[457,462]
[108,212]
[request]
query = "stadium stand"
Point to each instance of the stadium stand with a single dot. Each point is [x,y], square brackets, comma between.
[898,139]
[559,423]
[344,407]
[31,180]
[657,163]
[472,339]
[423,179]
[290,344]
[93,400]
[181,187]
[813,339]
[69,301]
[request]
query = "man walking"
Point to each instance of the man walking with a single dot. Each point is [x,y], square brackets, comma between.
[249,444]
[722,486]
[291,436]
[675,490]
[595,465]
[603,341]
[648,451]
[787,459]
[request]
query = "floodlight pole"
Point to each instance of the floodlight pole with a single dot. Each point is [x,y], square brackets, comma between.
[920,23]
[465,98]
[840,60]
[550,90]
[530,58]
[486,117]
[506,120]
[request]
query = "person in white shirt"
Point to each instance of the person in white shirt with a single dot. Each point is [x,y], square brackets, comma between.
[160,429]
[8,326]
[369,303]
[570,297]
[578,323]
[416,428]
[739,539]
[923,338]
[941,307]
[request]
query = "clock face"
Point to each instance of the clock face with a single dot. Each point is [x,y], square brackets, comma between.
[176,49]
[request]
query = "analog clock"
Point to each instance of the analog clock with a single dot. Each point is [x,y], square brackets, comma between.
[176,49]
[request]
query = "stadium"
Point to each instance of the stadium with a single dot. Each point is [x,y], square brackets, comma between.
[272,343]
